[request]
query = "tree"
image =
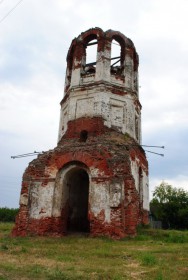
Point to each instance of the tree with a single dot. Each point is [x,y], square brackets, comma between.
[8,214]
[170,205]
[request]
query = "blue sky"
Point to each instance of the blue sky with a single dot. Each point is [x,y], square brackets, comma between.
[34,40]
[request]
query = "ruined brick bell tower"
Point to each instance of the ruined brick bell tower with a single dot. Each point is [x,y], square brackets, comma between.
[96,179]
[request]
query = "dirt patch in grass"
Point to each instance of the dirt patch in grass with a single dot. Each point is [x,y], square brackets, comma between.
[79,257]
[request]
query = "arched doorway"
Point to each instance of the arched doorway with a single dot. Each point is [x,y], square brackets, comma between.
[77,183]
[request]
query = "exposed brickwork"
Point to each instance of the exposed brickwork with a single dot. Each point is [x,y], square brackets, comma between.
[94,126]
[98,151]
[108,153]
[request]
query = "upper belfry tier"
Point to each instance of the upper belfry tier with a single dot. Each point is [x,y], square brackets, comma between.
[121,70]
[101,82]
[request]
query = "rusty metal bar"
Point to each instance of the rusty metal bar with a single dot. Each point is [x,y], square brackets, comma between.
[162,155]
[115,62]
[93,63]
[26,155]
[115,57]
[90,64]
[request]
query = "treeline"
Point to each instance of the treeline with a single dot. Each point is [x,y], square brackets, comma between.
[8,214]
[170,206]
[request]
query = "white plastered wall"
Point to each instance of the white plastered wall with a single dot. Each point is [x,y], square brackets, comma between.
[144,187]
[102,195]
[41,200]
[117,111]
[145,191]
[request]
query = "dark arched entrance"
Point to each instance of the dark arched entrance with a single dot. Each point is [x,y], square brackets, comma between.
[77,181]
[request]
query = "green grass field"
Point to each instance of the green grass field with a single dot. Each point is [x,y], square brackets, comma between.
[153,254]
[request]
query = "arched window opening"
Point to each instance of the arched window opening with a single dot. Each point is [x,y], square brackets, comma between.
[91,57]
[83,136]
[116,60]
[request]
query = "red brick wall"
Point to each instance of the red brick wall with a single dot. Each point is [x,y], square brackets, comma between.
[109,153]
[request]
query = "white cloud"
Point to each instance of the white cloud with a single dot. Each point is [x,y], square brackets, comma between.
[165,104]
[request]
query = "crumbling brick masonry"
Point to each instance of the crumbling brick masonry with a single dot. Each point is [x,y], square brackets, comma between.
[96,179]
